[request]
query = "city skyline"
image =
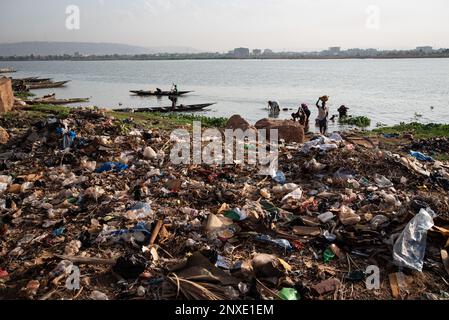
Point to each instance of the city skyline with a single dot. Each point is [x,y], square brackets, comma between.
[211,26]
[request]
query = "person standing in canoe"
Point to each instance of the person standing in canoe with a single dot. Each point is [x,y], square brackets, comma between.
[174,89]
[323,114]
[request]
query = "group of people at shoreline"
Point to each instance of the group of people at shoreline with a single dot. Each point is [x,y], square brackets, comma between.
[303,113]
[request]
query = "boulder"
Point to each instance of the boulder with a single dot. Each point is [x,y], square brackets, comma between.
[288,130]
[6,95]
[4,136]
[237,122]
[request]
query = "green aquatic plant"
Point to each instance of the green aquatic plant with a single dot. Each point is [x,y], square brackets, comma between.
[419,130]
[360,121]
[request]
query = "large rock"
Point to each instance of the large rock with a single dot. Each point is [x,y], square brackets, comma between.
[6,95]
[4,136]
[237,122]
[288,130]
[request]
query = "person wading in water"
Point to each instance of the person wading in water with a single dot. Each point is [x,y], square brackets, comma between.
[323,114]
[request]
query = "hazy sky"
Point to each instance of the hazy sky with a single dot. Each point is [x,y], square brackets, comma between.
[224,24]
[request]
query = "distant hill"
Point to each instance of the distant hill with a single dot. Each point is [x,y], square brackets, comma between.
[84,48]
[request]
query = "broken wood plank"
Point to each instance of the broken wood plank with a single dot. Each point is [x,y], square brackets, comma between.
[156,230]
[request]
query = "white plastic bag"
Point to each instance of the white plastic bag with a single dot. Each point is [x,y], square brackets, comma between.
[410,247]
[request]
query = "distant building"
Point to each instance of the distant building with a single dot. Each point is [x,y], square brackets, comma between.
[241,52]
[425,49]
[334,50]
[257,52]
[268,52]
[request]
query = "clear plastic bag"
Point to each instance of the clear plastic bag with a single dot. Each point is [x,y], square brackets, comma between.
[410,247]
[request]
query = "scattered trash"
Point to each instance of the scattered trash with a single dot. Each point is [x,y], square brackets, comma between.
[348,216]
[113,207]
[445,259]
[326,217]
[140,210]
[98,295]
[130,267]
[267,265]
[3,273]
[355,276]
[149,153]
[326,286]
[382,182]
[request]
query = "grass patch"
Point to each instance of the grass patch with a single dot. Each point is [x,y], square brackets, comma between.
[441,156]
[24,95]
[169,121]
[360,121]
[218,122]
[419,130]
[58,111]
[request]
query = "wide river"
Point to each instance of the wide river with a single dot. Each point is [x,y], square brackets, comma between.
[387,91]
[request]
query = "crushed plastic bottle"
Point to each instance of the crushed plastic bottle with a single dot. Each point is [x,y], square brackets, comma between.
[410,247]
[283,243]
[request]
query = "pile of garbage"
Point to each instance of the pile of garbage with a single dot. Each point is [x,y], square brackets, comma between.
[430,145]
[91,209]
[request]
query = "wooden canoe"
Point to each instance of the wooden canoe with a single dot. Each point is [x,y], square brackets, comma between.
[157,94]
[45,85]
[32,80]
[7,70]
[180,108]
[55,101]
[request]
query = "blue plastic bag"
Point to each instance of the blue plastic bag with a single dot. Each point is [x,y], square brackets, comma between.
[420,156]
[112,166]
[280,177]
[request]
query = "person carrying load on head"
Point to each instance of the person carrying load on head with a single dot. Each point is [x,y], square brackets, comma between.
[323,114]
[343,111]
